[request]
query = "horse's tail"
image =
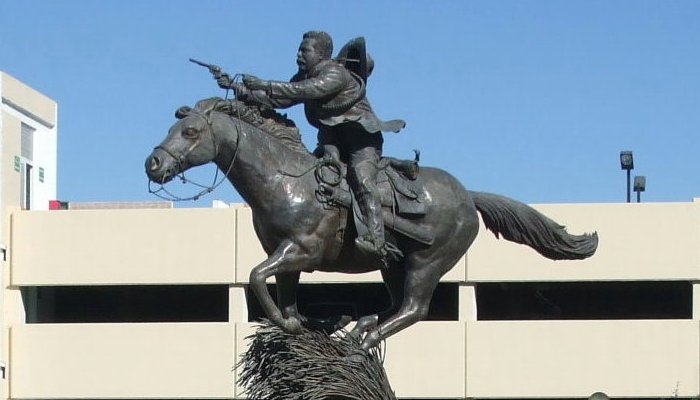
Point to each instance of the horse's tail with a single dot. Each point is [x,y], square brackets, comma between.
[520,223]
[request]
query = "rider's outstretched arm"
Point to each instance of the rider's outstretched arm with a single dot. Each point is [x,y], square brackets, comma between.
[261,97]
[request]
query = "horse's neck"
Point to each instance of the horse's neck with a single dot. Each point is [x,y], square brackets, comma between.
[253,159]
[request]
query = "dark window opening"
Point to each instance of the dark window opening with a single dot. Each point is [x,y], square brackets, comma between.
[584,300]
[26,186]
[356,300]
[156,303]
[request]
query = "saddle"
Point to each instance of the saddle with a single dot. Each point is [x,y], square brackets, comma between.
[401,191]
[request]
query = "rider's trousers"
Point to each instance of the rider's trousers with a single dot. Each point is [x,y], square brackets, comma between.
[362,176]
[361,151]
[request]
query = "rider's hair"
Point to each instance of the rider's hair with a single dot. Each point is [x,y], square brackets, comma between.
[324,43]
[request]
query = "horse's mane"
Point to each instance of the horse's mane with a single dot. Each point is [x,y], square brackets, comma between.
[263,118]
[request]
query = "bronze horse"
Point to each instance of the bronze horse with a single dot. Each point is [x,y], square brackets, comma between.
[297,231]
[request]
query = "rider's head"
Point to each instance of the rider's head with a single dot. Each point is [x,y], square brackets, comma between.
[315,47]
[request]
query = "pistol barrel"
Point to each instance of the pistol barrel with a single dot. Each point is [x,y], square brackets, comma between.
[203,64]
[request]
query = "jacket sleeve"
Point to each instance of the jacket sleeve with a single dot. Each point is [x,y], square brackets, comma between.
[328,83]
[262,97]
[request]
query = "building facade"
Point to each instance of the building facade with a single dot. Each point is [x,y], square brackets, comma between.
[28,137]
[28,128]
[154,304]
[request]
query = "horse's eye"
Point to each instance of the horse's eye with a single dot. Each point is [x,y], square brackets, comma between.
[190,133]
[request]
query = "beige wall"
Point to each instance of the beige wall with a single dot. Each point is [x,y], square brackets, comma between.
[28,99]
[453,359]
[93,361]
[432,360]
[644,241]
[577,358]
[637,242]
[100,247]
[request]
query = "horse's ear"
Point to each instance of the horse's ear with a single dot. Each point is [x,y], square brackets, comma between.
[182,112]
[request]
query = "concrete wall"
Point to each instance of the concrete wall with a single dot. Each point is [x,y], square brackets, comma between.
[20,104]
[440,360]
[122,361]
[638,241]
[28,101]
[111,247]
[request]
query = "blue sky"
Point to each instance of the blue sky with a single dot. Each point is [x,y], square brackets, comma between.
[530,99]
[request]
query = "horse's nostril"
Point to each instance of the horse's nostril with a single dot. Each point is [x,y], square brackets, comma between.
[155,163]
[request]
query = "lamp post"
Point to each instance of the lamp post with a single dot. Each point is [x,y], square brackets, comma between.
[640,185]
[627,164]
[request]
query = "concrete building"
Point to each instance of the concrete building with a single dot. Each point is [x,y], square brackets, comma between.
[28,153]
[28,134]
[153,303]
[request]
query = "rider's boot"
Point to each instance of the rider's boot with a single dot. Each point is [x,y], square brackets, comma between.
[363,180]
[371,243]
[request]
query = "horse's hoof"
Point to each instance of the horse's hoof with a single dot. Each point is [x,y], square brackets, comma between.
[365,324]
[354,335]
[292,325]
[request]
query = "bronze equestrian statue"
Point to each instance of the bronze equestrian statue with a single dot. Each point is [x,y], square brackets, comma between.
[301,215]
[334,96]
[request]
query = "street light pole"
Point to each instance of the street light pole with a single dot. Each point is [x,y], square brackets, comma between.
[627,164]
[640,185]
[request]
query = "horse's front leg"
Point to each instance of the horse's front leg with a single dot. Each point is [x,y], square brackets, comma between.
[287,258]
[287,286]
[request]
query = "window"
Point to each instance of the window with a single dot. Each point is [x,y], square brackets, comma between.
[27,153]
[512,301]
[27,142]
[26,186]
[356,300]
[132,303]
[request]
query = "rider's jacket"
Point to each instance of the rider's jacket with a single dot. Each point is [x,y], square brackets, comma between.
[332,95]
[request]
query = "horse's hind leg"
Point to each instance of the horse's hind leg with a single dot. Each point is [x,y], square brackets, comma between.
[419,284]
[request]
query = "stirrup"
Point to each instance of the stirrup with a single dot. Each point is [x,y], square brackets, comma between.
[367,245]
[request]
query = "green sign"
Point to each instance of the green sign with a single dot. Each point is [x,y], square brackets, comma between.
[17,164]
[41,174]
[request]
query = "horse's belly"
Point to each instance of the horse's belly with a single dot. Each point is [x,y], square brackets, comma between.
[346,268]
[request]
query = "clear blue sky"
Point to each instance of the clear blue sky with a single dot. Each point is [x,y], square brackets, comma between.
[530,99]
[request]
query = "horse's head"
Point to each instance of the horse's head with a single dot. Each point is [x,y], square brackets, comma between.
[190,142]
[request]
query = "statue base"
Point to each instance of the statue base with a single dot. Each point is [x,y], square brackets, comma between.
[310,366]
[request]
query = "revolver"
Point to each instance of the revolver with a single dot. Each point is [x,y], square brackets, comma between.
[213,69]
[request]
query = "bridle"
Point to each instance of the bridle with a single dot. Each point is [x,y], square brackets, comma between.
[164,193]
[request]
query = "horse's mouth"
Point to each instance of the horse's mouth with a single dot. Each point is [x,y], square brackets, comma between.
[158,172]
[162,179]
